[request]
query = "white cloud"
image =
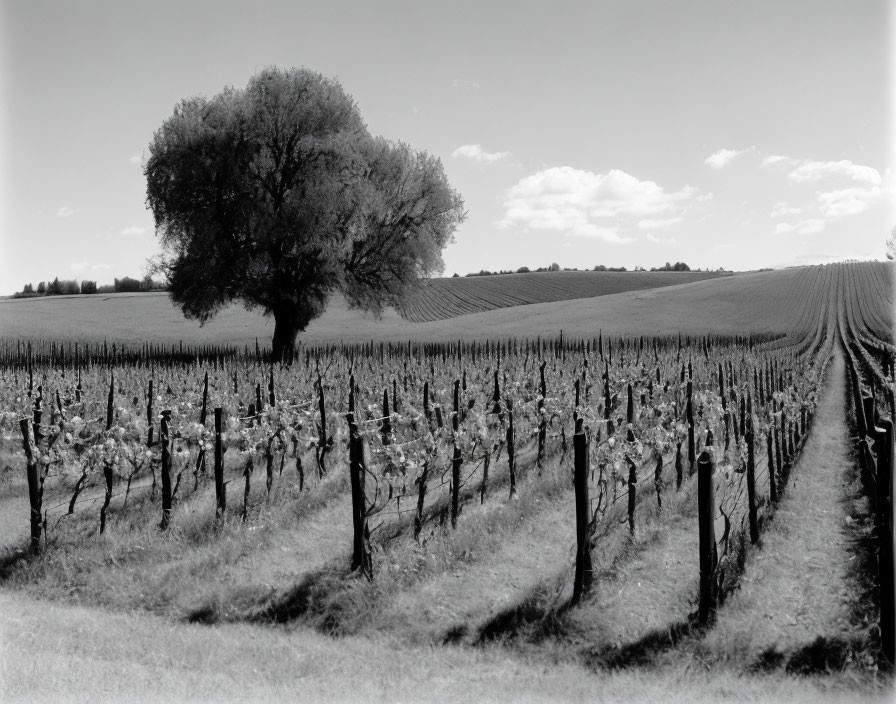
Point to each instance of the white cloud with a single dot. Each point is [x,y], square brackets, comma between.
[476,153]
[804,227]
[779,158]
[809,170]
[854,200]
[722,157]
[660,240]
[134,230]
[65,212]
[815,170]
[848,201]
[587,204]
[136,159]
[783,209]
[464,84]
[78,266]
[97,267]
[654,224]
[869,187]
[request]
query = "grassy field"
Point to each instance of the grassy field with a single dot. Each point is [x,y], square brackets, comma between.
[57,652]
[770,301]
[439,299]
[266,608]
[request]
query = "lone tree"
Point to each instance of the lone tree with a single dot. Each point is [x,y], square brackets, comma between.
[277,196]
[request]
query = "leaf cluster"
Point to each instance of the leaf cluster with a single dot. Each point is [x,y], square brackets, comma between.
[277,195]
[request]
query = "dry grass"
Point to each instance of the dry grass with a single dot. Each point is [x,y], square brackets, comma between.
[90,655]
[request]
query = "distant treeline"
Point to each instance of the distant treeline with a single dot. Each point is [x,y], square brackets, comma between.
[67,287]
[677,266]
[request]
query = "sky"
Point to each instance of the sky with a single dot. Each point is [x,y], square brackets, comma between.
[619,132]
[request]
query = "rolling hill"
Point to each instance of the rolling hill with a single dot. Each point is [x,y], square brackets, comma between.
[768,301]
[439,299]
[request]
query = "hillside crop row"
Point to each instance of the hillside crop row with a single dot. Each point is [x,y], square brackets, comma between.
[438,299]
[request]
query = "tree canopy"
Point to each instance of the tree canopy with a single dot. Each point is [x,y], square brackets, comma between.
[277,196]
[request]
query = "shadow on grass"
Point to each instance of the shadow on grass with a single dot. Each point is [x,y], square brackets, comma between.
[645,650]
[821,656]
[304,600]
[530,619]
[295,602]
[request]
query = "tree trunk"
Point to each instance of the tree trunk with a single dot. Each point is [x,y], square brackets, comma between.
[287,326]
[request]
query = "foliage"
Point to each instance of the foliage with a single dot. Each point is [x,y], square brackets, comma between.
[88,286]
[678,266]
[127,285]
[277,196]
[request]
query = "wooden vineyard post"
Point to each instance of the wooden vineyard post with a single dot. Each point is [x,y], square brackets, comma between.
[868,411]
[607,399]
[726,415]
[322,440]
[455,460]
[708,556]
[679,467]
[779,465]
[483,487]
[782,444]
[200,460]
[689,417]
[886,538]
[34,496]
[542,423]
[165,439]
[421,498]
[361,558]
[220,488]
[584,575]
[386,430]
[511,453]
[772,481]
[751,482]
[149,418]
[110,403]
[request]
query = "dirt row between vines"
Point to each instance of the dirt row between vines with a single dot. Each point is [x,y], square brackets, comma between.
[800,592]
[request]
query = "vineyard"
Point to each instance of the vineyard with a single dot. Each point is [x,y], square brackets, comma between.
[446,298]
[408,485]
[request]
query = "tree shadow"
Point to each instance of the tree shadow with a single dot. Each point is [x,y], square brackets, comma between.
[296,602]
[822,656]
[645,650]
[531,619]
